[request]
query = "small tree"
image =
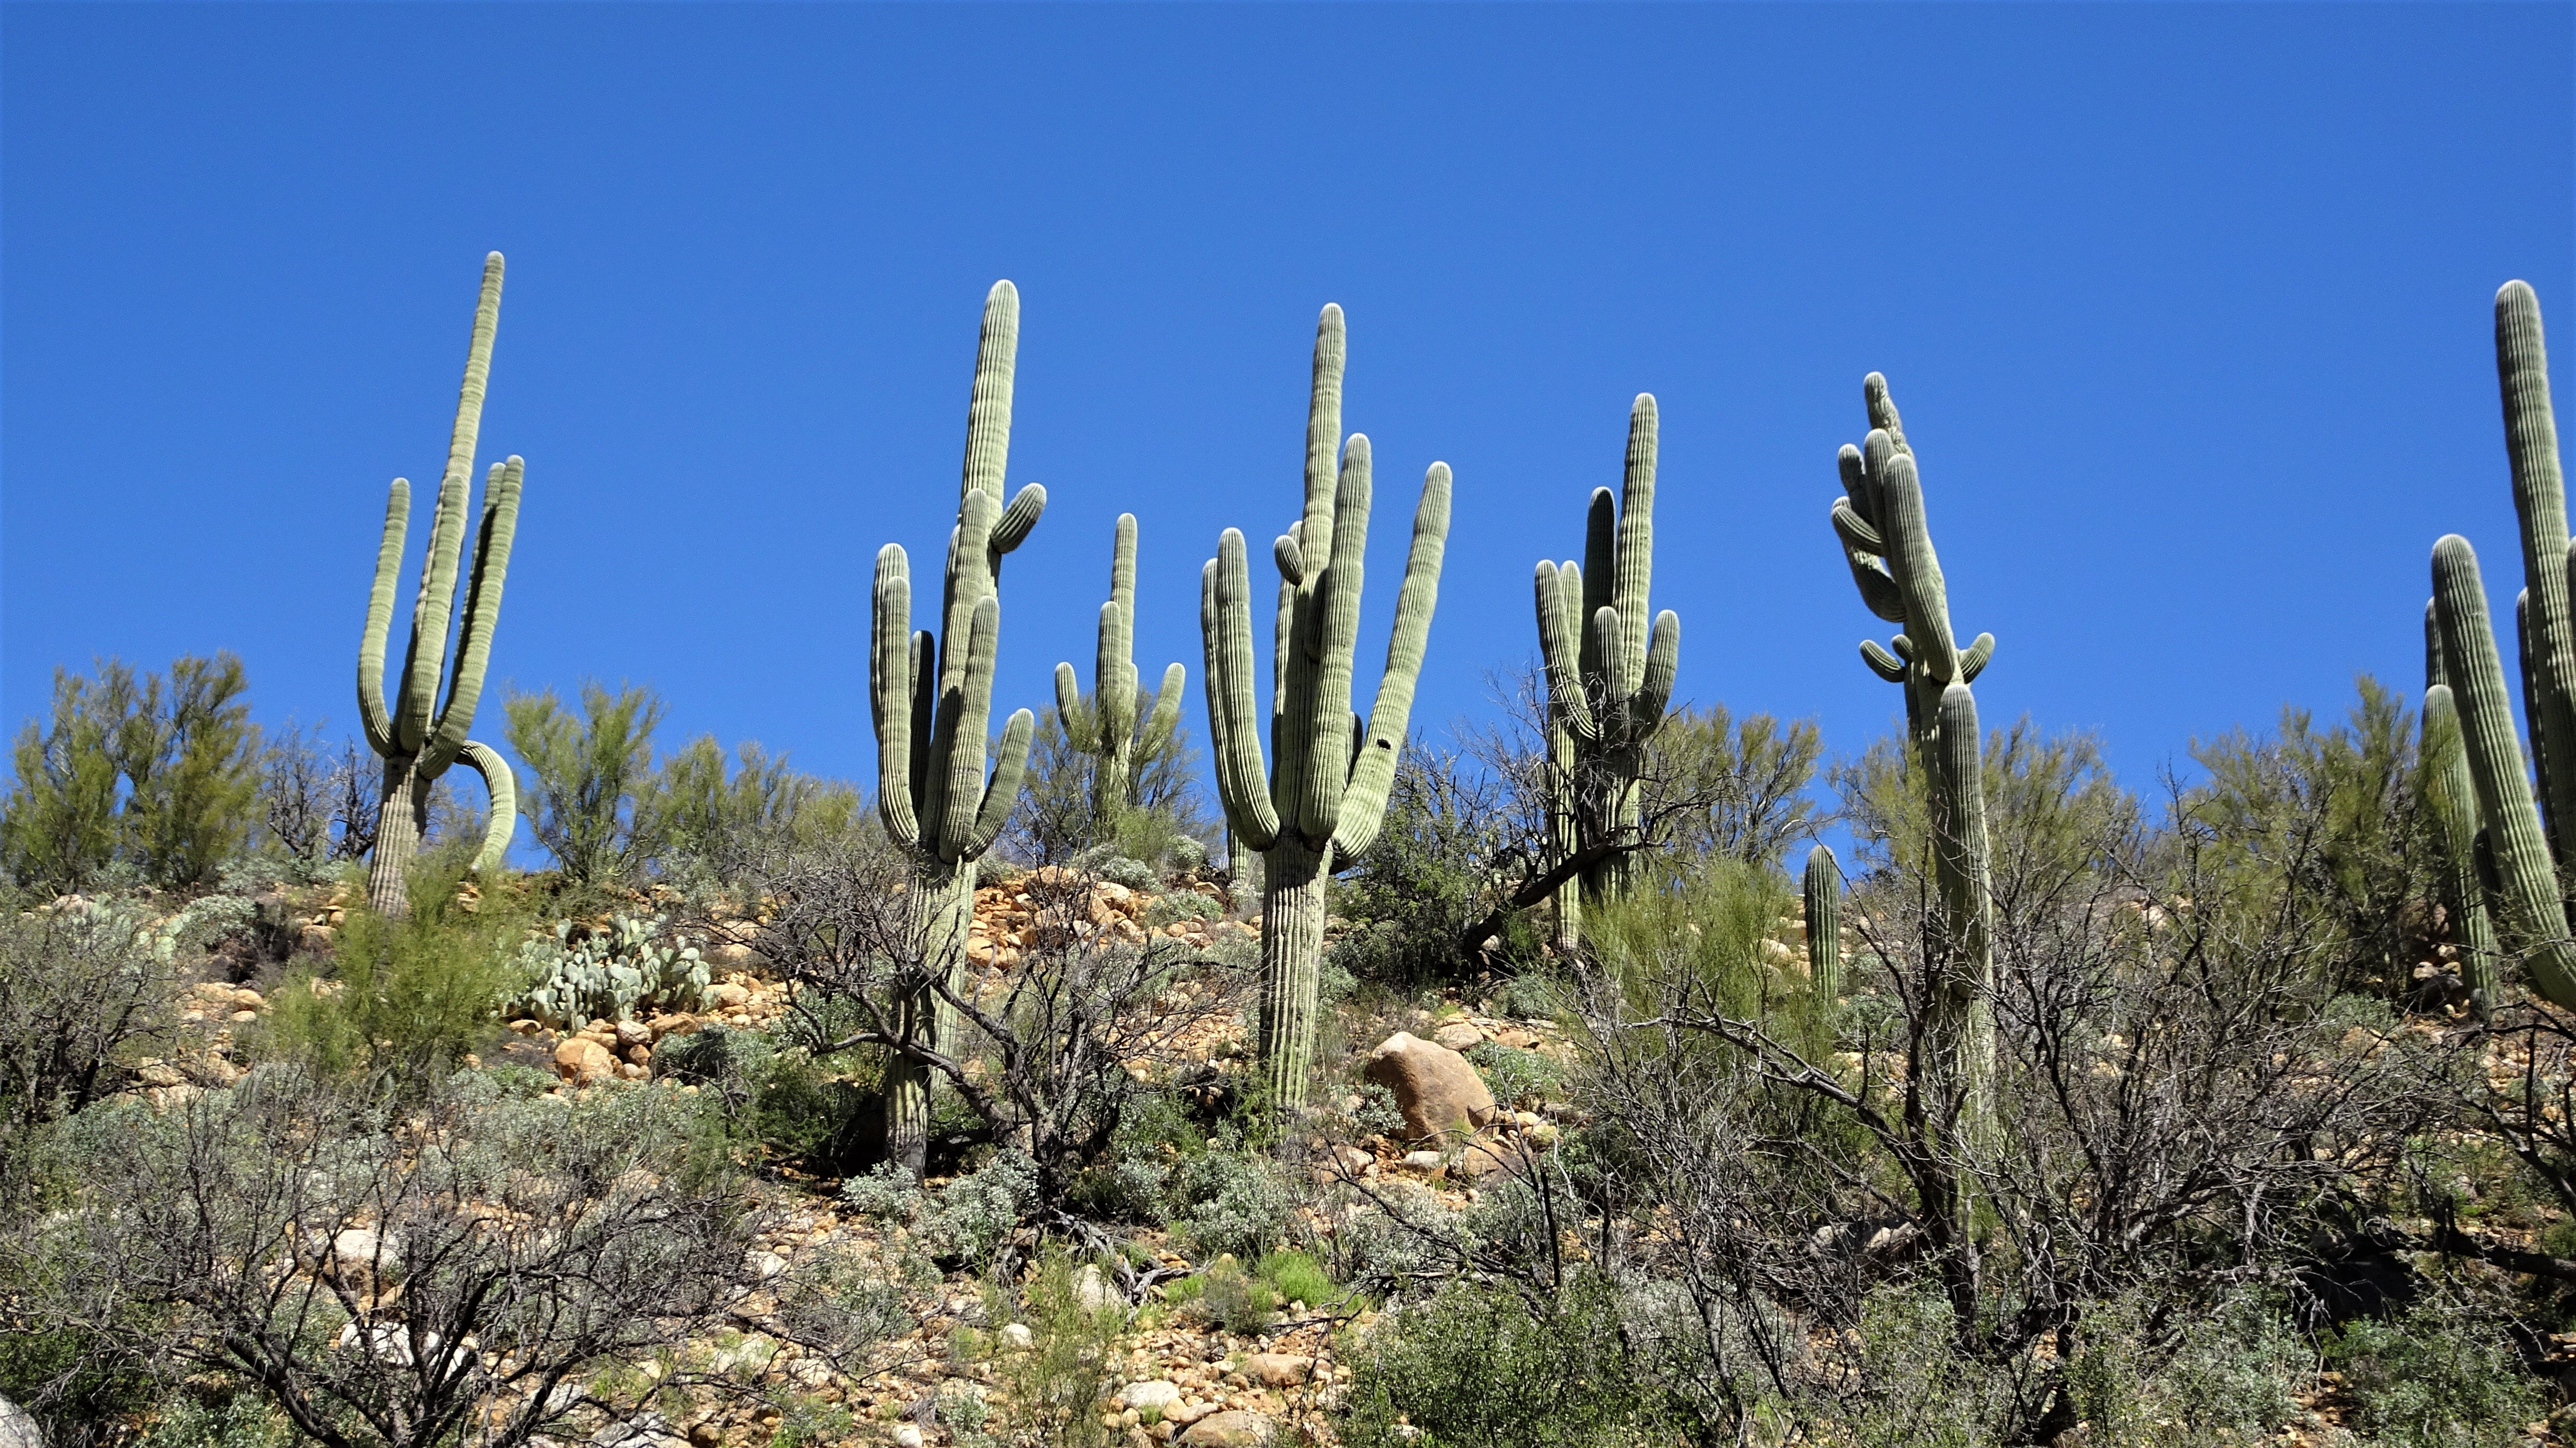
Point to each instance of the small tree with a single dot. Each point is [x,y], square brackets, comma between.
[587,774]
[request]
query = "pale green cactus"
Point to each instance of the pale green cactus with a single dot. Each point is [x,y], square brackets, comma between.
[1112,725]
[2523,824]
[611,975]
[931,696]
[1609,674]
[1887,542]
[417,736]
[1324,794]
[1823,887]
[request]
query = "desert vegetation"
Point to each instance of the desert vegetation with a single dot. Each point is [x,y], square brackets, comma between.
[1610,1070]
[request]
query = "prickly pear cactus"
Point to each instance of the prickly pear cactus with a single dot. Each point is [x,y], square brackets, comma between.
[584,974]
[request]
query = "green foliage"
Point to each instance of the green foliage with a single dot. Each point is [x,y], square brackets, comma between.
[696,816]
[2229,1376]
[2332,813]
[584,974]
[159,775]
[780,1099]
[1060,814]
[1226,1297]
[1485,1366]
[1713,922]
[81,992]
[1230,1202]
[1744,781]
[402,1000]
[1423,880]
[585,775]
[1297,1276]
[241,1420]
[1056,1384]
[2439,1377]
[1517,1077]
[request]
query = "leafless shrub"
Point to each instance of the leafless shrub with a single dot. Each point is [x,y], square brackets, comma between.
[81,992]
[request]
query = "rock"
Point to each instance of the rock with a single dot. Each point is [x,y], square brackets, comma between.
[680,1024]
[1278,1369]
[705,1435]
[1515,1037]
[634,1033]
[362,1249]
[1233,1428]
[1017,1335]
[907,1436]
[1092,1292]
[17,1430]
[1157,1395]
[582,1060]
[158,1073]
[1435,1088]
[1425,1162]
[768,1264]
[1458,1035]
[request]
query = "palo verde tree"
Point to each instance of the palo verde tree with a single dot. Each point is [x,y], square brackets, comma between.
[1323,796]
[419,737]
[932,697]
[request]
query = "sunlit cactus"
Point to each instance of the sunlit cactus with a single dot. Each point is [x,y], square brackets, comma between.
[1823,887]
[931,696]
[1609,675]
[1323,795]
[417,735]
[1112,725]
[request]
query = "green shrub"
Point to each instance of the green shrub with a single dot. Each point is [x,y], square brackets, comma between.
[242,1420]
[1226,1297]
[2228,1375]
[1057,1383]
[1297,1276]
[1231,1203]
[1517,1077]
[402,999]
[1479,1366]
[2439,1377]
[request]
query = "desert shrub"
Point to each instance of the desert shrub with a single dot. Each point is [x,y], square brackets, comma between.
[2438,1377]
[401,1000]
[1517,1077]
[1481,1365]
[1226,1297]
[1738,788]
[795,1109]
[1297,1276]
[1056,1384]
[585,774]
[81,990]
[970,1220]
[240,1419]
[1059,814]
[1422,882]
[1181,905]
[159,775]
[2224,1372]
[1230,1202]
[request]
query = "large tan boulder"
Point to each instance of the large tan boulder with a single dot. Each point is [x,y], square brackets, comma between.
[1233,1428]
[582,1060]
[1438,1092]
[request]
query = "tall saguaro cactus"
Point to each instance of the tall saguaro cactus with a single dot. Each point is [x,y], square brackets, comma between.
[417,736]
[1324,794]
[2451,792]
[1609,674]
[2524,825]
[1111,725]
[1823,888]
[931,697]
[1887,542]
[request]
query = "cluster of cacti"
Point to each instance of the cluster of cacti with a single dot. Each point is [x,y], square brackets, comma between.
[1822,886]
[1888,544]
[1324,791]
[418,736]
[593,975]
[1111,724]
[931,696]
[1609,677]
[2469,735]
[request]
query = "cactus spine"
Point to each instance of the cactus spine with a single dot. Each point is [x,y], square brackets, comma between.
[931,697]
[1111,726]
[2451,795]
[1324,793]
[1823,886]
[2524,824]
[1887,542]
[417,736]
[1609,675]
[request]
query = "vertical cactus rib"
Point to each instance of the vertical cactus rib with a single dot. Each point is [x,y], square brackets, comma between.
[988,413]
[417,734]
[1329,770]
[1636,558]
[2535,917]
[2451,796]
[1822,886]
[2540,506]
[890,693]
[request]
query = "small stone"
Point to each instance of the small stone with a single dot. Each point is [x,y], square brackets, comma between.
[729,996]
[1458,1035]
[679,1024]
[581,1060]
[705,1435]
[1017,1335]
[1278,1369]
[907,1436]
[1091,1291]
[238,1017]
[1425,1162]
[1233,1428]
[634,1033]
[768,1264]
[1157,1394]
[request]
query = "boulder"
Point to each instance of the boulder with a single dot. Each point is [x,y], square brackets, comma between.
[1435,1088]
[1233,1428]
[1278,1369]
[582,1060]
[1458,1035]
[1157,1394]
[17,1429]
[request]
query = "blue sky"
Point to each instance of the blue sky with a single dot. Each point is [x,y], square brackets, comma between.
[2188,309]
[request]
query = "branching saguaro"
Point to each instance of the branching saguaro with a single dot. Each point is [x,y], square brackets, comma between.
[1609,673]
[419,737]
[1888,544]
[1111,725]
[1324,794]
[2522,832]
[931,696]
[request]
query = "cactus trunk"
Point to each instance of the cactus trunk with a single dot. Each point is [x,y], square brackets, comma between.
[1823,889]
[1324,794]
[417,735]
[943,895]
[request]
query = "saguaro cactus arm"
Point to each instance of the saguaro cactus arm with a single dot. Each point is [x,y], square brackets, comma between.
[486,761]
[1363,805]
[482,613]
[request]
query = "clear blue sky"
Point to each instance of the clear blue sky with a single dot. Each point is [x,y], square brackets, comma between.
[2188,309]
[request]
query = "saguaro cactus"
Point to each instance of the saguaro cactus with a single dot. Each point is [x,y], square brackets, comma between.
[2451,793]
[1111,725]
[1823,886]
[1324,793]
[418,737]
[931,697]
[2519,832]
[1609,675]
[1888,544]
